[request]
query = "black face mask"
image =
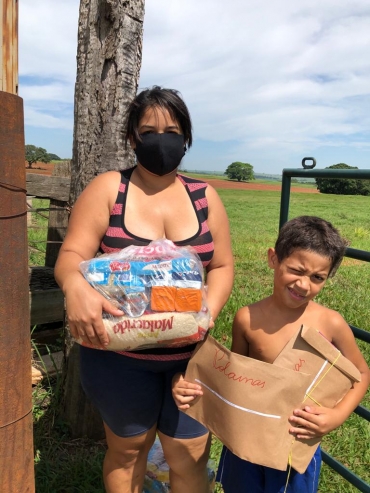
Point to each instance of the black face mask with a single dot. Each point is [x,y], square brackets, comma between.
[160,153]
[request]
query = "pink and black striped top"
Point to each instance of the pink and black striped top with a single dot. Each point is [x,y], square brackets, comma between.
[118,237]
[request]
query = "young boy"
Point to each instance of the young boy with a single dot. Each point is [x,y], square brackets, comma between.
[307,252]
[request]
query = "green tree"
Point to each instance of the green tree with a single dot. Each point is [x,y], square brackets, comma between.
[343,186]
[240,171]
[53,157]
[34,154]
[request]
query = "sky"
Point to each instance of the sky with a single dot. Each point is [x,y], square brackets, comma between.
[266,83]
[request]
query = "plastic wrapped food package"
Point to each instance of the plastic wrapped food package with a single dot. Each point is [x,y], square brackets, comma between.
[157,475]
[159,287]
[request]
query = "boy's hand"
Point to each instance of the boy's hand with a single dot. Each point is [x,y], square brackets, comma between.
[184,392]
[312,422]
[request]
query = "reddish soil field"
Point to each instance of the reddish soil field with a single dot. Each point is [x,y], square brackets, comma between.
[40,168]
[235,185]
[47,169]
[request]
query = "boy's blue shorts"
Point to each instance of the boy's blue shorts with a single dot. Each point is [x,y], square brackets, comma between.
[240,476]
[132,395]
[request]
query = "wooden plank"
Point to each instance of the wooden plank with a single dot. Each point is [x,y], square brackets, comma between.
[45,298]
[50,364]
[46,306]
[29,215]
[41,278]
[58,219]
[48,187]
[48,337]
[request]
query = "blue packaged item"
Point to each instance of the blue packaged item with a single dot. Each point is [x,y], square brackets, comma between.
[160,289]
[125,278]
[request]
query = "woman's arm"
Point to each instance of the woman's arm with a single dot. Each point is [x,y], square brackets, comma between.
[220,271]
[88,223]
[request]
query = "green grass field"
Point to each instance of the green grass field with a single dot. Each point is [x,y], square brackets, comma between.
[68,466]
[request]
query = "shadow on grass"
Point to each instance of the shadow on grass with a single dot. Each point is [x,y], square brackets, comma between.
[62,464]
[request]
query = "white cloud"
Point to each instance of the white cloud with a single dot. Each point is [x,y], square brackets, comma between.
[48,92]
[47,68]
[286,76]
[37,117]
[48,39]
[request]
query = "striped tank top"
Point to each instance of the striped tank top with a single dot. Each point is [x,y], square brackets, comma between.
[118,237]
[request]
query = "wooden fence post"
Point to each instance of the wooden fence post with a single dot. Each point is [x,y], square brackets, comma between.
[16,439]
[58,219]
[9,46]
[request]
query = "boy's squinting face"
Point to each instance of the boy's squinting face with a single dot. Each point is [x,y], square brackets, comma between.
[299,277]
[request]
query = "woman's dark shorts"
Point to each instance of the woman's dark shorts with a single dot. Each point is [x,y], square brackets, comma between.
[132,395]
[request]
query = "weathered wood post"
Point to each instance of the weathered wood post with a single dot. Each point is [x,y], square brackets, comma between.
[9,46]
[16,439]
[108,67]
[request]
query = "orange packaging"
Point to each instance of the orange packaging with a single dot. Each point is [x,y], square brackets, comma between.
[188,300]
[162,298]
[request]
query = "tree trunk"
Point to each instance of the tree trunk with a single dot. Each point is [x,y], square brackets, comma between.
[108,67]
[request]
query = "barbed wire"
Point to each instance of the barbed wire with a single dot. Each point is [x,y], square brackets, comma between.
[38,211]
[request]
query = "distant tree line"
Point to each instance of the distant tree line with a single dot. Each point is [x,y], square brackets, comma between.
[343,186]
[35,154]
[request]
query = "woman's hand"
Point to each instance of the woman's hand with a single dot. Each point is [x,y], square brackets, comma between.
[184,392]
[84,306]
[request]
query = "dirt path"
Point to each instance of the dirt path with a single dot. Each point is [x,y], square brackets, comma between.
[41,168]
[234,185]
[47,169]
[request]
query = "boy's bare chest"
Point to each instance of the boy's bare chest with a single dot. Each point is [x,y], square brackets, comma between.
[267,341]
[266,346]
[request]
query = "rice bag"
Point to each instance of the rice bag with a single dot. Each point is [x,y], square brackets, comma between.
[159,287]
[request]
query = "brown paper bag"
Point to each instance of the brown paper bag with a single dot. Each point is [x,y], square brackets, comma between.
[332,377]
[246,403]
[241,394]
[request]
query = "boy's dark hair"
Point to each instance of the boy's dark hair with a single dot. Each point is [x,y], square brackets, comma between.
[313,234]
[165,99]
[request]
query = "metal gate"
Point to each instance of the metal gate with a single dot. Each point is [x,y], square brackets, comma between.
[308,171]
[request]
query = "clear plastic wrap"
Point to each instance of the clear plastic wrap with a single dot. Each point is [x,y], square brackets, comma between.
[159,287]
[157,475]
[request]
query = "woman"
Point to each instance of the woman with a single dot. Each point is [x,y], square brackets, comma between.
[132,390]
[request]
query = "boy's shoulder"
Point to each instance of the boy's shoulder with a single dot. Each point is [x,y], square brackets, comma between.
[256,310]
[323,312]
[242,314]
[315,315]
[245,311]
[324,319]
[261,314]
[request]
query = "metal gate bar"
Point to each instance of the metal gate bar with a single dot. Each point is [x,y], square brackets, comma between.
[348,475]
[363,255]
